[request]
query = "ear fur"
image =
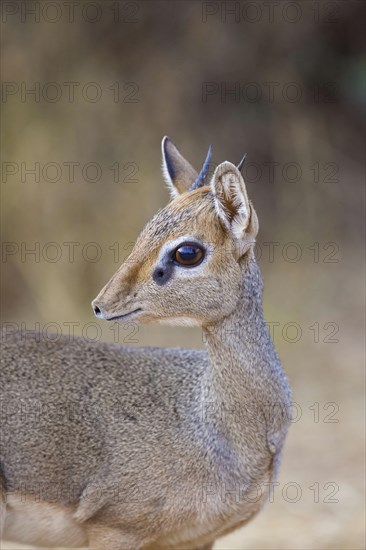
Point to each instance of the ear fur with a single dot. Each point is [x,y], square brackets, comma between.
[178,173]
[232,203]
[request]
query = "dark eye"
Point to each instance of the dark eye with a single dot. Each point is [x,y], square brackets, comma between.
[188,255]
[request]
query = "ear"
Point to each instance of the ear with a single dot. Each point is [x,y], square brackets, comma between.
[231,201]
[179,175]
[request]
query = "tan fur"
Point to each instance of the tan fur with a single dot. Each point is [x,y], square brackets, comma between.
[148,448]
[33,521]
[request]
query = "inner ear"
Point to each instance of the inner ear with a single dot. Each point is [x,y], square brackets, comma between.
[178,173]
[230,209]
[231,199]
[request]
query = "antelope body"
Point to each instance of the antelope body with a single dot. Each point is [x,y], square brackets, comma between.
[149,448]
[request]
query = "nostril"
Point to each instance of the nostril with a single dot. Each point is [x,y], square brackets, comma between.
[97,311]
[160,273]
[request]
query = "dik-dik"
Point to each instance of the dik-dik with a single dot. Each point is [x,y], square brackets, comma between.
[149,448]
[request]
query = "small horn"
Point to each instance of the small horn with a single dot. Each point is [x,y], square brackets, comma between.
[200,181]
[241,163]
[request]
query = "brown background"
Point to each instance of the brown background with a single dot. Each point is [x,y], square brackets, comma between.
[162,55]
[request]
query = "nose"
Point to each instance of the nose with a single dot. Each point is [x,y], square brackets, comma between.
[97,310]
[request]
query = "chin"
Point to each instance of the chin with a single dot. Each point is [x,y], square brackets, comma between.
[179,321]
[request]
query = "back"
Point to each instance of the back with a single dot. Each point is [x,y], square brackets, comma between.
[64,403]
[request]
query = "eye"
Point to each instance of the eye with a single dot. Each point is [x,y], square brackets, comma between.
[188,255]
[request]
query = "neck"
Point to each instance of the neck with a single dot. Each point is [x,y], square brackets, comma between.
[245,375]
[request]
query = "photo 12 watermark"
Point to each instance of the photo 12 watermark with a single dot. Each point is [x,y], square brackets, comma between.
[52,252]
[70,11]
[69,92]
[270,11]
[69,171]
[268,92]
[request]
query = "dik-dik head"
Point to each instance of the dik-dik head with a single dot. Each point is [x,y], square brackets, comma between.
[187,264]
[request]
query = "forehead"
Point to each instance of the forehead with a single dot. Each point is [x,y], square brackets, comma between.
[191,213]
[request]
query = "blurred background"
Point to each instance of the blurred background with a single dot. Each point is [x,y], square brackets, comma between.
[88,91]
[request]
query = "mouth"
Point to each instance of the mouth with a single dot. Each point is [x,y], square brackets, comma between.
[124,315]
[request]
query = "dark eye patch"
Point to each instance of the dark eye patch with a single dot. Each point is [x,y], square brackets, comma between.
[189,254]
[162,273]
